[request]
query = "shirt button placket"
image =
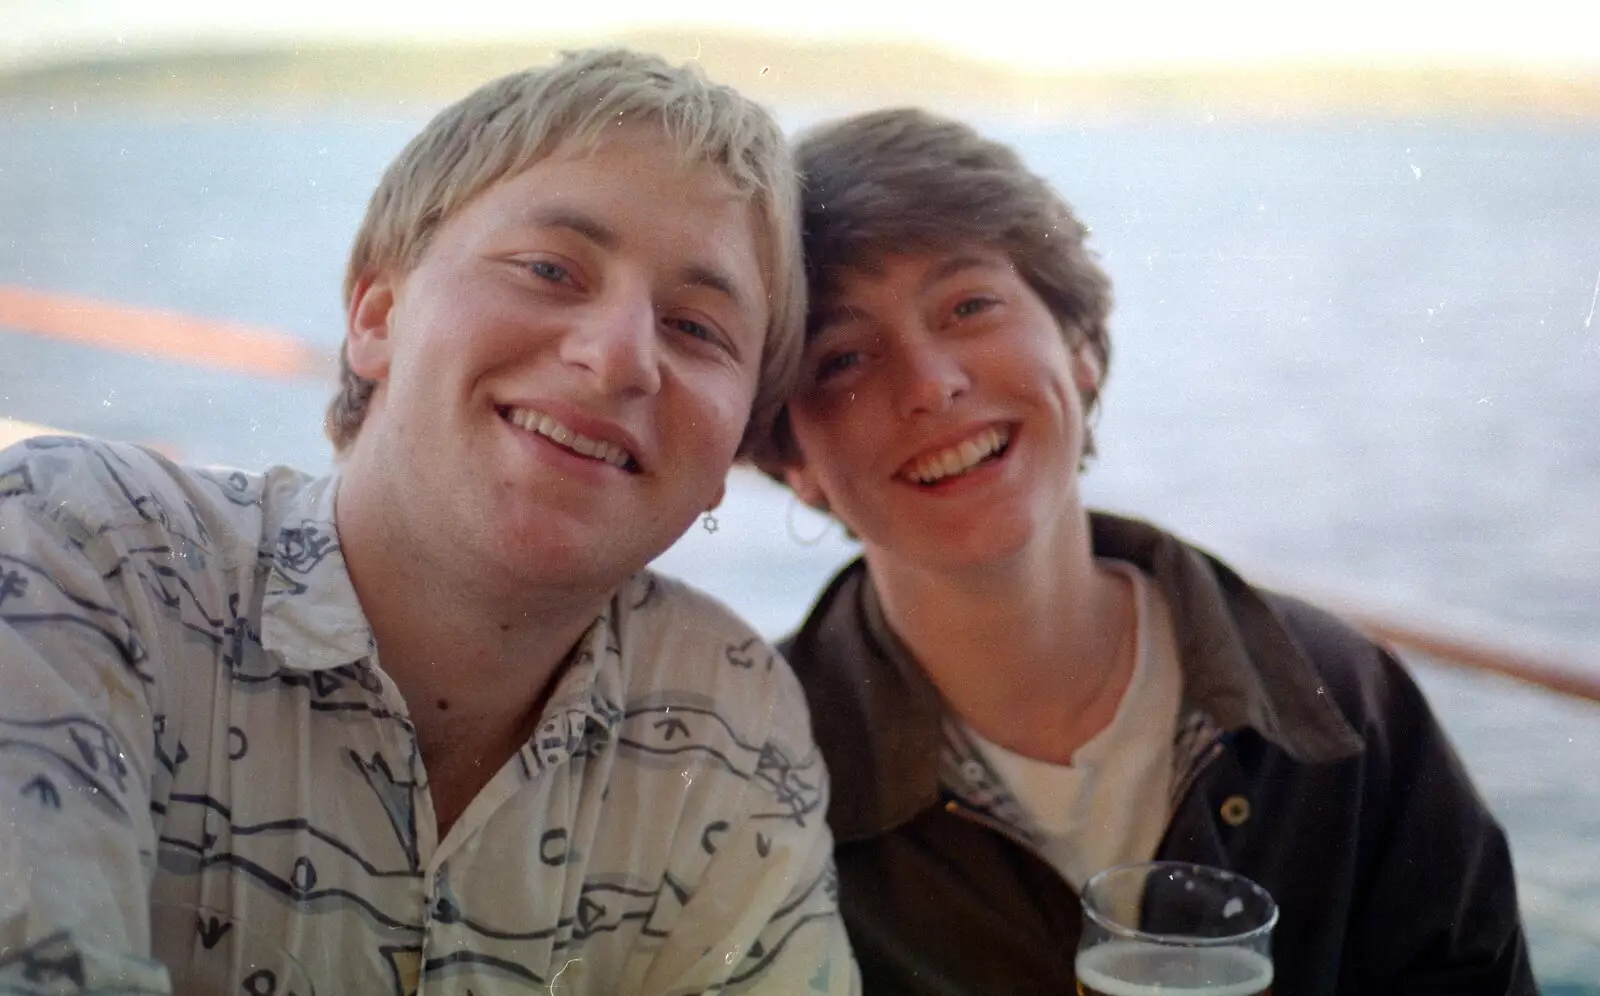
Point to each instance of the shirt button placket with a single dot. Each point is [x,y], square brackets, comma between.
[438,912]
[553,747]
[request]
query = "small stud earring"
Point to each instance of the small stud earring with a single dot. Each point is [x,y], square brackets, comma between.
[709,522]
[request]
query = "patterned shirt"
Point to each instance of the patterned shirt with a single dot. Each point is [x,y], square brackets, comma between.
[204,767]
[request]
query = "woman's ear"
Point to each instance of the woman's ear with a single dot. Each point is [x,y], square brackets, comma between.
[804,484]
[1086,370]
[367,341]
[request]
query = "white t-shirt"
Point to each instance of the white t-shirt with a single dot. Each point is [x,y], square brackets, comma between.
[1111,805]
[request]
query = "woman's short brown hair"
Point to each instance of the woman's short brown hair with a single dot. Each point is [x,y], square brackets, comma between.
[509,124]
[906,181]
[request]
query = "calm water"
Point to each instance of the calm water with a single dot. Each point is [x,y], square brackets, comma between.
[1359,357]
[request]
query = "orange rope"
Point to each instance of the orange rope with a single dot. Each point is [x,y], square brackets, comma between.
[1579,679]
[1565,678]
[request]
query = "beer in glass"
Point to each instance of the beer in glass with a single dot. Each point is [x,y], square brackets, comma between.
[1166,928]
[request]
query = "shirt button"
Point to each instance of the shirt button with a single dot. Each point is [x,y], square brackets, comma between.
[1235,810]
[972,771]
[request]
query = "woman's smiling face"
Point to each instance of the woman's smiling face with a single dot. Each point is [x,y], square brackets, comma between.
[940,410]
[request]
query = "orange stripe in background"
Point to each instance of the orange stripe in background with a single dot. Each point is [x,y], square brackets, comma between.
[1573,675]
[161,334]
[1566,678]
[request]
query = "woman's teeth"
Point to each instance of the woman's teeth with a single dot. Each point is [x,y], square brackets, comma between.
[958,459]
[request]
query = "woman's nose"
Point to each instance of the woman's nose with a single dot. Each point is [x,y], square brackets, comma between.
[932,378]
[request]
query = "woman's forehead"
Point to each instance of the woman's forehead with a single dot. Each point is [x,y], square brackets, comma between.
[897,271]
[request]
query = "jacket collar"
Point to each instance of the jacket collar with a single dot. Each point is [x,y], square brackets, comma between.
[878,718]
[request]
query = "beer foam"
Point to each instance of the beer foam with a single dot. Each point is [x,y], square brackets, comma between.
[1143,969]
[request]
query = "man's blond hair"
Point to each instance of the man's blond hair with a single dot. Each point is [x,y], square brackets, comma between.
[509,124]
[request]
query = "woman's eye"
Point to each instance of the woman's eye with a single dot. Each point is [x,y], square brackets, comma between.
[546,270]
[836,364]
[974,305]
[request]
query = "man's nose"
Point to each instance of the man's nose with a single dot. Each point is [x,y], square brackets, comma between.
[618,342]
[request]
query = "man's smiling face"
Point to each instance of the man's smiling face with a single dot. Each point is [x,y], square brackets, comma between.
[565,376]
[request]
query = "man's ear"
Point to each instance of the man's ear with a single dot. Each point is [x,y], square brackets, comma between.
[367,341]
[804,484]
[722,492]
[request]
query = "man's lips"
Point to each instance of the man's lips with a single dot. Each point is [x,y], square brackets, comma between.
[590,443]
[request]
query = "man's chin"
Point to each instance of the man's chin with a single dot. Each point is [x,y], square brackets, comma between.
[564,560]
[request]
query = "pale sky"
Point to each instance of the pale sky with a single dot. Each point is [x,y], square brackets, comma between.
[1559,35]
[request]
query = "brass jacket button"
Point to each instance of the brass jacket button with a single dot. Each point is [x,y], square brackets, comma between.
[1235,810]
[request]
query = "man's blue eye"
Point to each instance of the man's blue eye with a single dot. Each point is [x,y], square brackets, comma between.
[547,271]
[692,328]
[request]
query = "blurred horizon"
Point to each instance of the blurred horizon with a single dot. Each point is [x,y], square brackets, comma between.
[808,77]
[1545,36]
[1234,57]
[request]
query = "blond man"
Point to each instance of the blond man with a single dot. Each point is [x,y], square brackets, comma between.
[427,724]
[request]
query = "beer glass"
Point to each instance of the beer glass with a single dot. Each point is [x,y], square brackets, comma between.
[1166,928]
[209,953]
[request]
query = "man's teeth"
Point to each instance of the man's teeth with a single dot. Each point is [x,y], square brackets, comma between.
[544,425]
[960,458]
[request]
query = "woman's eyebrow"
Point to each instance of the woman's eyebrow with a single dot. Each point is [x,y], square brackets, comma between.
[827,318]
[958,264]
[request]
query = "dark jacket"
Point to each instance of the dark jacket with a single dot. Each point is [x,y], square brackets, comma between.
[1321,774]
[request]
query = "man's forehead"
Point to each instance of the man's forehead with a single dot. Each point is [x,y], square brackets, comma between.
[666,152]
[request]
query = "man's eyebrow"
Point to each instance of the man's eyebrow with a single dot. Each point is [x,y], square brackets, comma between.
[698,275]
[587,226]
[608,238]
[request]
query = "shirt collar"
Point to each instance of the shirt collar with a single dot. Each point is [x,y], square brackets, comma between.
[313,621]
[310,615]
[590,692]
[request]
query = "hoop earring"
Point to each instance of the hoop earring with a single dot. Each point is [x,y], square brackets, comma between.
[788,521]
[708,522]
